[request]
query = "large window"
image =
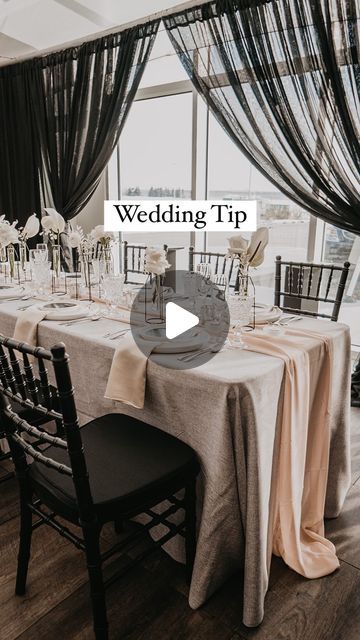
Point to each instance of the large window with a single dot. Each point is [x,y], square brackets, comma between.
[171,147]
[232,177]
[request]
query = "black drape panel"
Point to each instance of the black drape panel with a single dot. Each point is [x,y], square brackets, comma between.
[283,79]
[19,147]
[61,117]
[82,97]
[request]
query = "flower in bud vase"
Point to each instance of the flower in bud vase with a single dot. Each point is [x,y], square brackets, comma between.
[30,230]
[53,224]
[104,241]
[248,253]
[155,265]
[9,236]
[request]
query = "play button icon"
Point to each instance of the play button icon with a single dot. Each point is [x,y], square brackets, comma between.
[186,327]
[178,320]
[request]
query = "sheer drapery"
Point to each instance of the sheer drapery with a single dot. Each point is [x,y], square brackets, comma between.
[69,108]
[20,156]
[283,79]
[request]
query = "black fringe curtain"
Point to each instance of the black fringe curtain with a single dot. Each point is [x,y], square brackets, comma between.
[61,118]
[282,77]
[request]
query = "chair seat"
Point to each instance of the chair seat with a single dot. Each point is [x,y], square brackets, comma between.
[130,463]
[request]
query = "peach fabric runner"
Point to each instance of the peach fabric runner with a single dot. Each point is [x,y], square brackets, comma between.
[302,468]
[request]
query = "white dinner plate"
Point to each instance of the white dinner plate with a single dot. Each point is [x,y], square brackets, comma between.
[64,310]
[181,344]
[159,333]
[9,292]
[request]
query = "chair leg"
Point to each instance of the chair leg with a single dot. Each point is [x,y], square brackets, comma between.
[190,528]
[24,548]
[97,590]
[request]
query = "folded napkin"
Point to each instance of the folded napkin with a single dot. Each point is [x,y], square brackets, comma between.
[127,378]
[301,473]
[26,328]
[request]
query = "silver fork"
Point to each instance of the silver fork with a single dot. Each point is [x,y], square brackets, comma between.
[114,334]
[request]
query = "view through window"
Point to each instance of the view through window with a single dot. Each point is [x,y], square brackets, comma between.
[158,157]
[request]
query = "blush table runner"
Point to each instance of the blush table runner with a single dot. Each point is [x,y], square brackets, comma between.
[300,477]
[230,411]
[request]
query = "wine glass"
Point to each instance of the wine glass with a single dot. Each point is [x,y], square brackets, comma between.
[42,246]
[113,286]
[240,306]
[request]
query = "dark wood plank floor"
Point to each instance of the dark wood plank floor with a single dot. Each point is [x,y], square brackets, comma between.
[150,603]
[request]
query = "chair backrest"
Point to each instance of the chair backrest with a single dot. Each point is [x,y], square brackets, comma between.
[220,264]
[24,380]
[298,282]
[134,262]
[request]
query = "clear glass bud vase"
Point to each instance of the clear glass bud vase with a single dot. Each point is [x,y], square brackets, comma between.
[154,299]
[56,260]
[22,255]
[11,260]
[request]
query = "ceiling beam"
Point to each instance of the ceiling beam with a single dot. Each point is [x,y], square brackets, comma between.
[115,29]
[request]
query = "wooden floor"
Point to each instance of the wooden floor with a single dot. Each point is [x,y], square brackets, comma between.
[150,603]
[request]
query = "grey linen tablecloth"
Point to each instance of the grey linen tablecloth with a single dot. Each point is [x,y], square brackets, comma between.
[228,410]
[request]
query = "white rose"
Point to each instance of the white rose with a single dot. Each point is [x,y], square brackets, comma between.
[8,233]
[31,228]
[237,246]
[155,260]
[99,235]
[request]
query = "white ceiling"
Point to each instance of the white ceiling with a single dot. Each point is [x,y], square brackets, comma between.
[29,26]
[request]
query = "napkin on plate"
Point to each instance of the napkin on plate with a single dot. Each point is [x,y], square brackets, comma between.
[26,328]
[127,378]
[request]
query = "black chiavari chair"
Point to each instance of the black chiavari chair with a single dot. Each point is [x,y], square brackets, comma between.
[300,286]
[220,264]
[46,395]
[134,262]
[111,470]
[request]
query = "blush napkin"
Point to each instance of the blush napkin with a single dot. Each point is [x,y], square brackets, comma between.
[127,378]
[26,327]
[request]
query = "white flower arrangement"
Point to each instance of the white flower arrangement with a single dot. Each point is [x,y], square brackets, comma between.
[76,238]
[155,261]
[250,253]
[98,234]
[31,228]
[8,232]
[53,224]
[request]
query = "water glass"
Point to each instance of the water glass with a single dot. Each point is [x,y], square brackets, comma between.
[41,273]
[113,289]
[44,252]
[240,307]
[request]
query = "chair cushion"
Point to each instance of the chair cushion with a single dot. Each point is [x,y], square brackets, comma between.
[129,463]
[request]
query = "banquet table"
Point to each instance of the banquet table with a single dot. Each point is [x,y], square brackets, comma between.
[228,410]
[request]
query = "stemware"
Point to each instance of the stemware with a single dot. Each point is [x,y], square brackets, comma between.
[43,254]
[240,306]
[41,272]
[113,286]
